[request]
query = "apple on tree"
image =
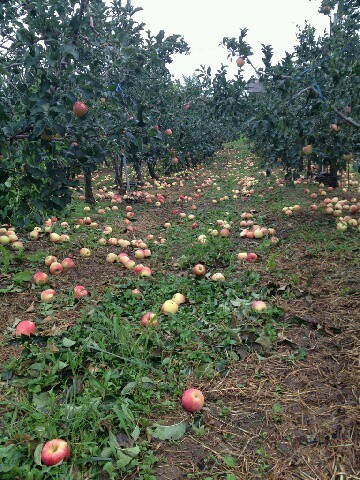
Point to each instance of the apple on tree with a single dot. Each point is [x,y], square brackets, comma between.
[80,109]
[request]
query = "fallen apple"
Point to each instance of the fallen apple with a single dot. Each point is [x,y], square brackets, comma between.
[55,451]
[199,270]
[169,306]
[25,327]
[192,400]
[48,295]
[40,278]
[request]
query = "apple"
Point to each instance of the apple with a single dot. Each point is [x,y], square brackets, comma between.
[80,109]
[85,252]
[48,295]
[136,292]
[68,263]
[17,245]
[192,400]
[224,232]
[240,62]
[242,255]
[80,291]
[12,236]
[179,298]
[307,149]
[138,268]
[170,306]
[34,235]
[218,277]
[49,260]
[199,270]
[40,278]
[168,132]
[54,237]
[258,233]
[139,254]
[149,318]
[55,268]
[130,264]
[55,451]
[145,272]
[251,257]
[25,327]
[112,258]
[4,240]
[258,305]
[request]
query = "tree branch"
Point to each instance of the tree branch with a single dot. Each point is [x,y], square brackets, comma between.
[344,117]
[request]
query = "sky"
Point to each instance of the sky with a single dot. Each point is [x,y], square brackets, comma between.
[204,23]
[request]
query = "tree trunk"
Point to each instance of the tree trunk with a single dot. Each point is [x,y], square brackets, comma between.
[334,171]
[137,168]
[151,168]
[118,173]
[309,172]
[89,196]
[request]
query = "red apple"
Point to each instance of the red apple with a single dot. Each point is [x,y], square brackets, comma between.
[80,291]
[48,295]
[80,109]
[68,263]
[252,257]
[25,327]
[192,400]
[40,278]
[49,260]
[258,305]
[199,270]
[240,62]
[149,318]
[55,268]
[179,298]
[168,132]
[55,451]
[145,272]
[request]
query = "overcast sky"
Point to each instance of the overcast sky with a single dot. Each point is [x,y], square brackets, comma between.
[204,23]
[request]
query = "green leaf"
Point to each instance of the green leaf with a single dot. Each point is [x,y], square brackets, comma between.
[129,388]
[37,454]
[21,277]
[68,343]
[9,458]
[126,455]
[229,461]
[135,433]
[70,50]
[42,401]
[170,432]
